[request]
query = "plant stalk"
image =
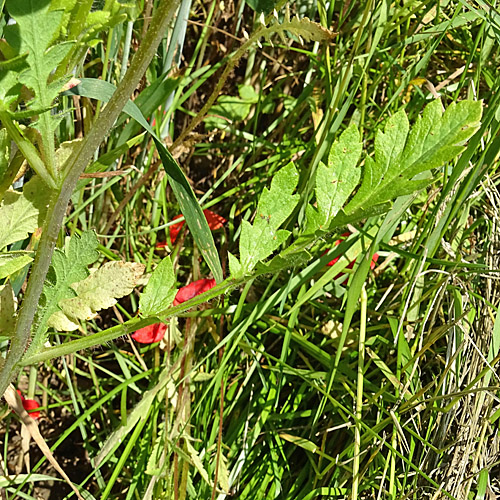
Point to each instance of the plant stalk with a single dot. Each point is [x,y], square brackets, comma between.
[359,395]
[77,165]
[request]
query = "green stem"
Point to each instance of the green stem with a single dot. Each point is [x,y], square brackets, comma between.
[129,326]
[28,150]
[79,162]
[359,395]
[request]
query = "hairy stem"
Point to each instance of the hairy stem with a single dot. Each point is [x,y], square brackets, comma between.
[58,207]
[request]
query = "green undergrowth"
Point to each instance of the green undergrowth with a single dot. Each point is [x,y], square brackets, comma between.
[348,348]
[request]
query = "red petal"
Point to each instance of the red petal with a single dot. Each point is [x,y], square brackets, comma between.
[150,334]
[192,290]
[351,264]
[161,244]
[215,221]
[333,261]
[20,395]
[337,243]
[30,405]
[175,229]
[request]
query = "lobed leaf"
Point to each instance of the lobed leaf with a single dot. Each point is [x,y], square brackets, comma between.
[69,265]
[435,139]
[336,182]
[100,290]
[35,30]
[260,239]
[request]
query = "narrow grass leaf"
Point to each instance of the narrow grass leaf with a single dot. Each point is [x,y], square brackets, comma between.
[190,208]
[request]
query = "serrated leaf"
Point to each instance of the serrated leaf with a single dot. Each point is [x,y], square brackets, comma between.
[260,239]
[7,310]
[69,265]
[158,294]
[100,290]
[234,265]
[36,27]
[196,461]
[12,262]
[435,139]
[304,28]
[336,182]
[15,62]
[22,213]
[34,32]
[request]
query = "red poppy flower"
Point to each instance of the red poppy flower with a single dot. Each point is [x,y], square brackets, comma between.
[351,264]
[30,405]
[150,334]
[215,221]
[192,290]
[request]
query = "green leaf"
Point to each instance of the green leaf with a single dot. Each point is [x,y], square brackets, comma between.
[190,208]
[34,32]
[12,262]
[7,310]
[260,239]
[303,28]
[158,294]
[336,182]
[435,139]
[232,108]
[22,213]
[99,291]
[69,265]
[148,102]
[16,63]
[9,85]
[265,6]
